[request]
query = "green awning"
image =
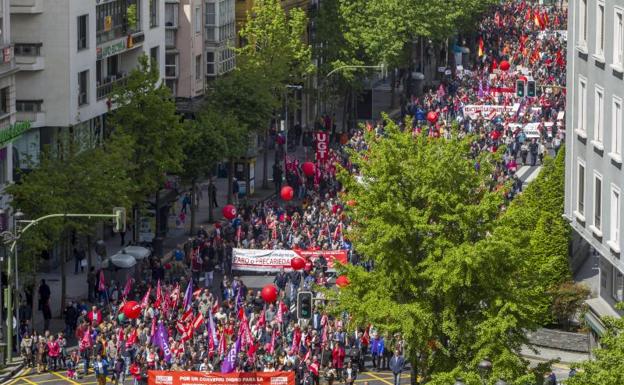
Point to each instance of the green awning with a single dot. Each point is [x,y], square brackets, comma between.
[595,323]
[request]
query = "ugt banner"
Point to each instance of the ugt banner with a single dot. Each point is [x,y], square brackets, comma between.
[322,145]
[274,260]
[157,377]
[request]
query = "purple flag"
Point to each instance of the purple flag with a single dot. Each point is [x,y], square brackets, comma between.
[229,362]
[480,93]
[188,295]
[161,339]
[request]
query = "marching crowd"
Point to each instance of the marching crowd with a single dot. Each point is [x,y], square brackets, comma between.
[187,320]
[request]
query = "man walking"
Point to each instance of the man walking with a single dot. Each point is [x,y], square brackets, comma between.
[397,362]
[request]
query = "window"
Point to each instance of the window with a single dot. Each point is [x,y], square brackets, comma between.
[600,26]
[581,189]
[153,12]
[617,284]
[171,63]
[198,20]
[598,115]
[582,105]
[197,67]
[83,87]
[582,23]
[210,63]
[597,201]
[154,55]
[83,32]
[211,16]
[616,127]
[618,38]
[614,233]
[5,103]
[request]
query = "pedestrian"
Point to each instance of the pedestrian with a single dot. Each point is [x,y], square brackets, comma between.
[44,294]
[26,350]
[235,191]
[47,315]
[100,366]
[397,363]
[212,194]
[277,177]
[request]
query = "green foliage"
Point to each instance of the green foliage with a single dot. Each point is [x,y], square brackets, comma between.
[445,275]
[274,44]
[70,181]
[145,119]
[608,366]
[383,28]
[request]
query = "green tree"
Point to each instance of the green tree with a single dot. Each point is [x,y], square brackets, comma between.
[145,116]
[275,52]
[443,277]
[607,367]
[69,180]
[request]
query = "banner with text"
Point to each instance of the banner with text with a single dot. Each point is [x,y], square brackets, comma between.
[486,110]
[158,377]
[274,260]
[322,145]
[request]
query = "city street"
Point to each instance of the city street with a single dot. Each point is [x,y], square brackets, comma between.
[27,377]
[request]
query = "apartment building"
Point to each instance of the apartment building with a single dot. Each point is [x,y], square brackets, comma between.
[70,54]
[10,130]
[200,39]
[594,175]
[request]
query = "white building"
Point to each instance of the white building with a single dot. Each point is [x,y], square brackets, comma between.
[594,146]
[70,54]
[9,129]
[200,40]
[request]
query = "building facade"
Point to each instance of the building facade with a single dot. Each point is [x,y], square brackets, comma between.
[200,39]
[10,130]
[71,53]
[594,174]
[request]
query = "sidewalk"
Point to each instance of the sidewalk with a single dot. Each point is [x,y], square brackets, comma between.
[77,283]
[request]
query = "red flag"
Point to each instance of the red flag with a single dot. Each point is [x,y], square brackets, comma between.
[272,345]
[196,293]
[132,338]
[545,19]
[280,313]
[145,300]
[187,316]
[175,295]
[528,14]
[127,287]
[102,284]
[215,307]
[197,322]
[262,319]
[560,62]
[153,331]
[159,296]
[481,50]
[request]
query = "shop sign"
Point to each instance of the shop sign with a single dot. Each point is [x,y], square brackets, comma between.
[14,131]
[111,49]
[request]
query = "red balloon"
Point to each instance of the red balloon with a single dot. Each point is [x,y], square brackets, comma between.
[432,117]
[297,263]
[287,193]
[308,168]
[229,212]
[342,281]
[504,65]
[269,293]
[132,309]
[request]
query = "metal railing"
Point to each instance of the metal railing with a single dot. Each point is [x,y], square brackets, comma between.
[105,89]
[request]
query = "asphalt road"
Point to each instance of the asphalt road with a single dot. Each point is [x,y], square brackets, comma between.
[29,377]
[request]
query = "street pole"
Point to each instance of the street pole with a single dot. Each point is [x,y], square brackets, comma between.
[9,302]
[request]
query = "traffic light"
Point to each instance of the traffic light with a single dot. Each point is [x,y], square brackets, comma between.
[304,305]
[531,88]
[520,88]
[119,220]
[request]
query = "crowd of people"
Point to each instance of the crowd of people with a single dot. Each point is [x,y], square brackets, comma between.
[191,321]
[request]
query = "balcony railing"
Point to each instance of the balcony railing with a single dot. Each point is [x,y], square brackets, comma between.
[170,38]
[105,89]
[116,32]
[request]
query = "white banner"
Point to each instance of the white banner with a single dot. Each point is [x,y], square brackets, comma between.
[274,260]
[473,110]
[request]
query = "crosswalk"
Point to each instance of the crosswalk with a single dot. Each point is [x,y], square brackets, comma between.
[527,174]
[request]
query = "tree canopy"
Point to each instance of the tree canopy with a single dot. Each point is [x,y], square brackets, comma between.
[446,273]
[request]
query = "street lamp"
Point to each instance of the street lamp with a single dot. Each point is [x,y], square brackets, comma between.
[11,236]
[485,367]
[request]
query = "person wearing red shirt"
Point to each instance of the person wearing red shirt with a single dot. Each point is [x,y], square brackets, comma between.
[95,316]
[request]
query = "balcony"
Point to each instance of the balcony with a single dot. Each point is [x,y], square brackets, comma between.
[106,88]
[27,6]
[171,72]
[28,56]
[30,111]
